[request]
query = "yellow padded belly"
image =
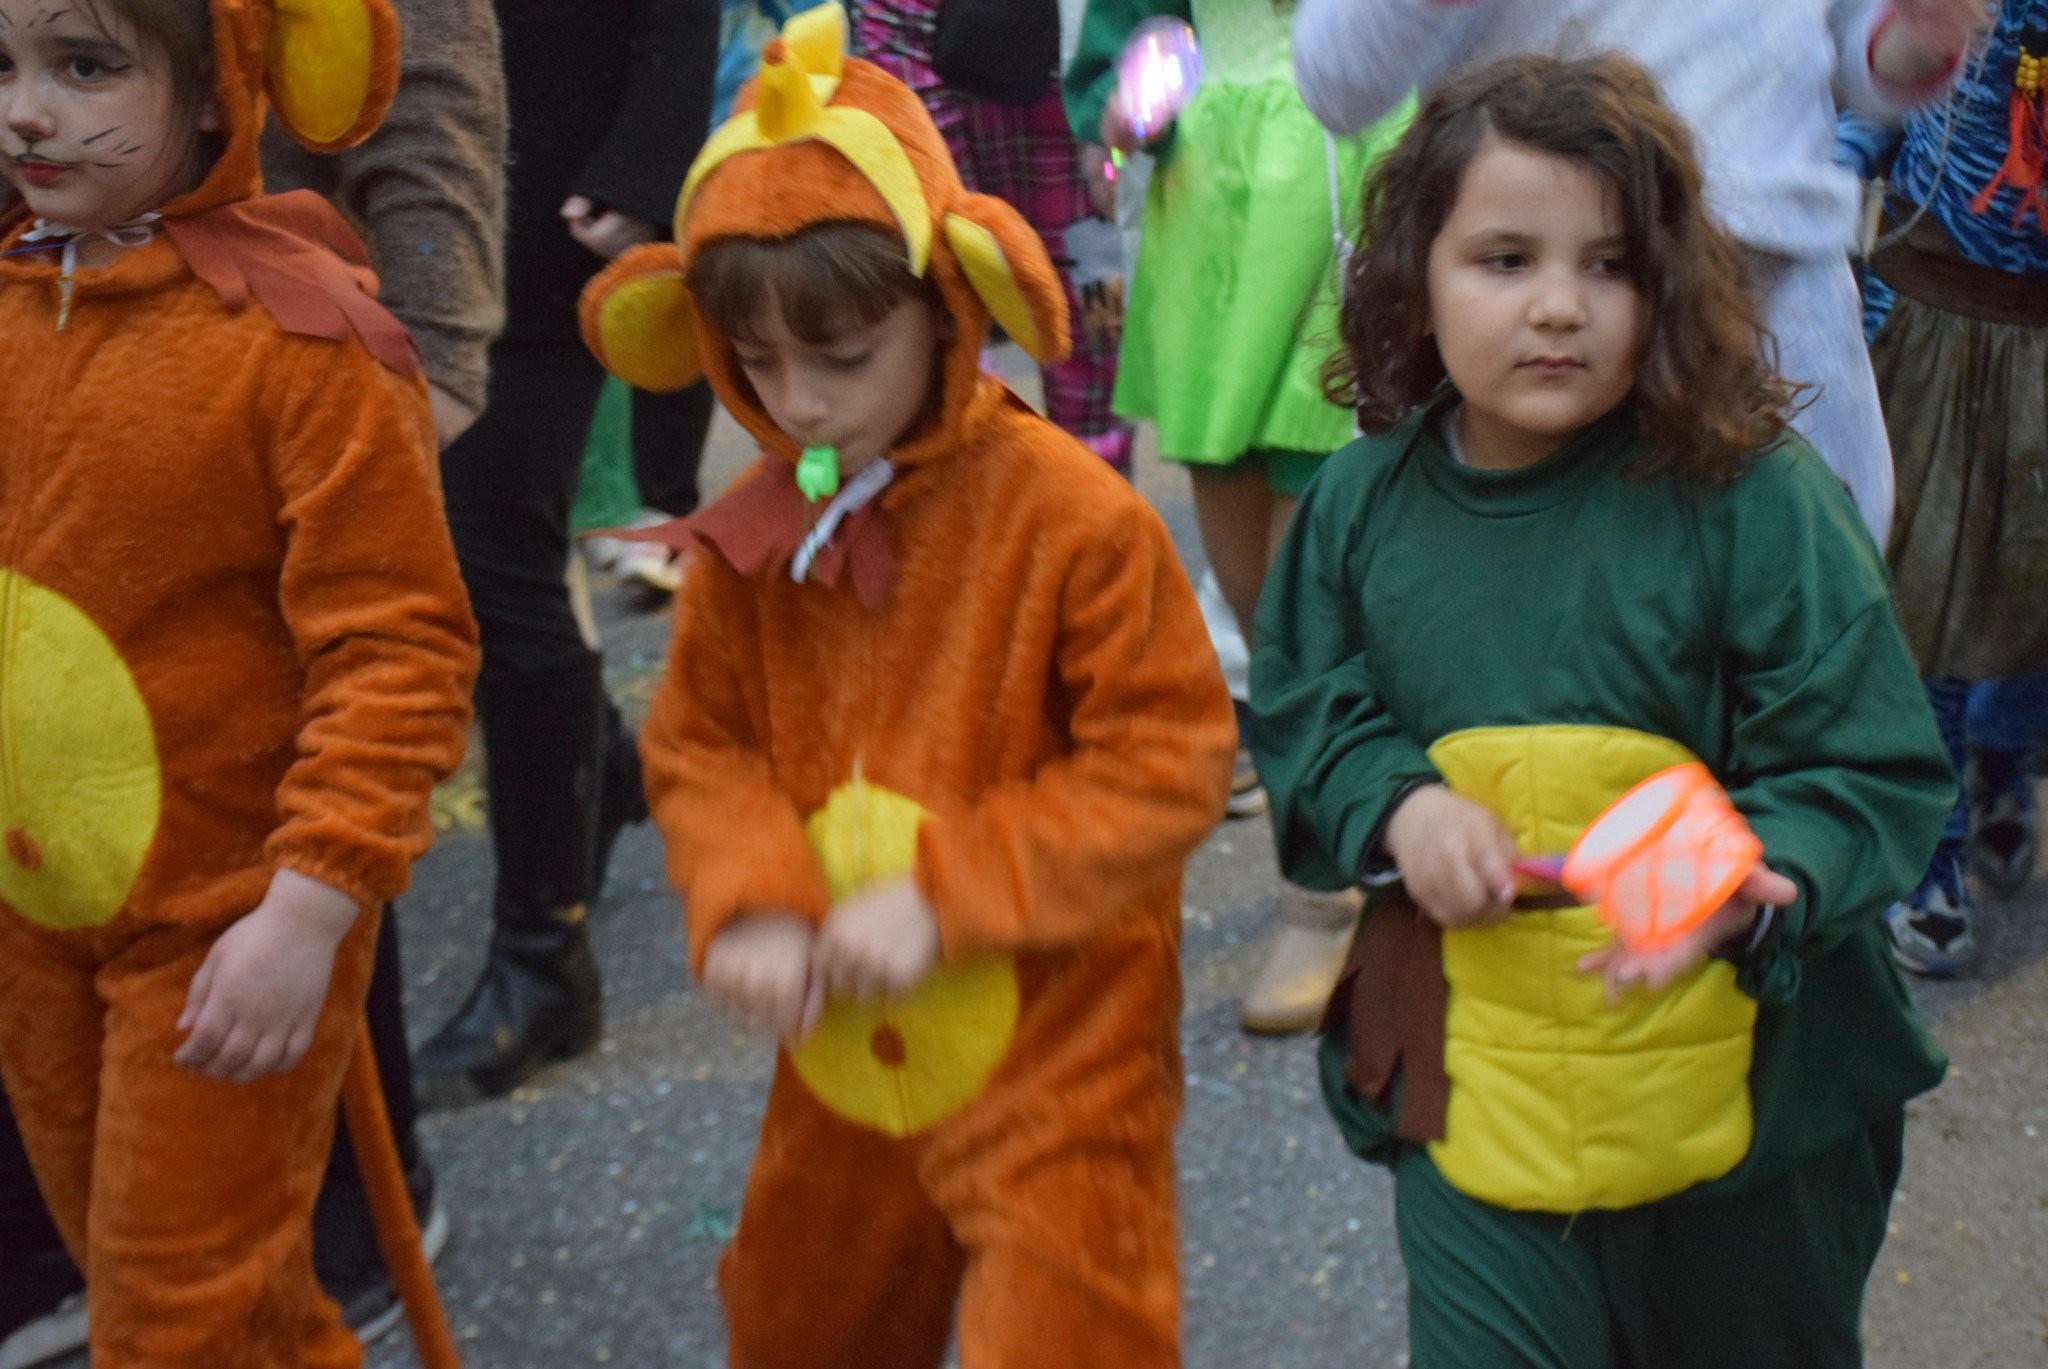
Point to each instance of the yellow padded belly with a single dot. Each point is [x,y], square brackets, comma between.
[903,1064]
[80,783]
[1560,1101]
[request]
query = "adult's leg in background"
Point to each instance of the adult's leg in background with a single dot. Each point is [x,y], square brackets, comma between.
[509,483]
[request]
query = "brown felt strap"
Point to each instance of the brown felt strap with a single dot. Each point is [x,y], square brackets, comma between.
[1393,998]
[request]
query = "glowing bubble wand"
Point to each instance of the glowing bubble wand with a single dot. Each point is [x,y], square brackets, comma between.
[1157,74]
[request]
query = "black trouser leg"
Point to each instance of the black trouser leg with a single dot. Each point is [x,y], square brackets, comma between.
[540,696]
[36,1273]
[668,446]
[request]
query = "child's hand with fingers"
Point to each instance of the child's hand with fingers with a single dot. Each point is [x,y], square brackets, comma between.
[1660,968]
[881,942]
[1943,27]
[759,970]
[1454,856]
[256,1000]
[1116,131]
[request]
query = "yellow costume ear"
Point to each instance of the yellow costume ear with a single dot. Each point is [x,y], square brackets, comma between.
[333,67]
[1006,264]
[638,321]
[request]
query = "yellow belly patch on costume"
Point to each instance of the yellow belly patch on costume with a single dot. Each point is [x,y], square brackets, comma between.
[900,1066]
[80,784]
[1561,1101]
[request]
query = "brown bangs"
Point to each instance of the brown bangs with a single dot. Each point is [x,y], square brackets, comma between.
[176,33]
[827,280]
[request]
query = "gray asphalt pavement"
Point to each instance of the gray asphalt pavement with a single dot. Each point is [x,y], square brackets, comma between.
[590,1206]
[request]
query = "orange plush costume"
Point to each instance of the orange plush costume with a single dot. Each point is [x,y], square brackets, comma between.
[997,679]
[232,639]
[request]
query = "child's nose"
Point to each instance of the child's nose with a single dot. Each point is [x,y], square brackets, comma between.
[28,118]
[805,405]
[1559,303]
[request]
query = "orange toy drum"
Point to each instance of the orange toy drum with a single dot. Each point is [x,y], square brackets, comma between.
[1663,857]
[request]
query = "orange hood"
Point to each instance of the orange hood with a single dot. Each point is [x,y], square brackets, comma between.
[815,138]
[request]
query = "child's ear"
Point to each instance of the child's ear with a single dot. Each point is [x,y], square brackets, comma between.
[639,323]
[209,116]
[1005,262]
[332,69]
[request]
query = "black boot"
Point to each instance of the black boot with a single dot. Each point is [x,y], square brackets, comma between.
[538,997]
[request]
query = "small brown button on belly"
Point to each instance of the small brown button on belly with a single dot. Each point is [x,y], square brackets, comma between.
[887,1044]
[23,851]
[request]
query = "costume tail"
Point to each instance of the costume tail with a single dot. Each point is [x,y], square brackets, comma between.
[398,1228]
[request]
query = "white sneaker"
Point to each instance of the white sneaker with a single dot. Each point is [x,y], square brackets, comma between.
[606,554]
[375,1310]
[59,1331]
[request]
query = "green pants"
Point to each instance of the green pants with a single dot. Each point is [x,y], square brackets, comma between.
[1768,1279]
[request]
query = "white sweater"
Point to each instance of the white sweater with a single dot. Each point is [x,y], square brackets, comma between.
[1758,81]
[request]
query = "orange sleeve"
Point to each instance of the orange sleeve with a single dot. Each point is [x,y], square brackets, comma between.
[1144,777]
[375,605]
[735,840]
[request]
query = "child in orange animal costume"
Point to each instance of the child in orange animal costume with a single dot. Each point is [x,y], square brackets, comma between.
[932,747]
[234,652]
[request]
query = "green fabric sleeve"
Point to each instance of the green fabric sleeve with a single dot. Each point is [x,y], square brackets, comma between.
[1834,756]
[1331,756]
[1091,74]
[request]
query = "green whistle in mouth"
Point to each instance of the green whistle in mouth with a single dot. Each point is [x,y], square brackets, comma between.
[817,473]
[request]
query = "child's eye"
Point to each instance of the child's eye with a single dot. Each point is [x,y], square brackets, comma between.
[1610,266]
[849,363]
[1505,261]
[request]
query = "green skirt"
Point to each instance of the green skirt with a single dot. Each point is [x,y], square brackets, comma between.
[1966,405]
[1233,303]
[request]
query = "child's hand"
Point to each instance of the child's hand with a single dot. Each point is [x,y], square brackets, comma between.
[1659,969]
[605,232]
[759,970]
[1455,857]
[1116,127]
[258,995]
[1942,28]
[878,943]
[1100,178]
[1929,37]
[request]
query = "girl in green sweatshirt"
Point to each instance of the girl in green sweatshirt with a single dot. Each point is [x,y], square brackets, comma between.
[1579,546]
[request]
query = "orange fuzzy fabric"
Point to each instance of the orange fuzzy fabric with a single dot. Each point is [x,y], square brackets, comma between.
[1039,681]
[233,639]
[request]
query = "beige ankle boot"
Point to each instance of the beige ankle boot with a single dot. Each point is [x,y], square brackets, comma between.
[1311,933]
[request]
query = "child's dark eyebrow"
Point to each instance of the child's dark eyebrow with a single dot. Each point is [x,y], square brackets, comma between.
[1498,237]
[99,49]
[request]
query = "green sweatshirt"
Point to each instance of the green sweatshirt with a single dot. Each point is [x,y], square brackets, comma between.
[1416,601]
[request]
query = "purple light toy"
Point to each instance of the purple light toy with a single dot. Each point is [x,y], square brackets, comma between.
[1157,74]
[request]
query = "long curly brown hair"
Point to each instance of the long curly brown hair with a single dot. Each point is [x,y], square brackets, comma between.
[1707,391]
